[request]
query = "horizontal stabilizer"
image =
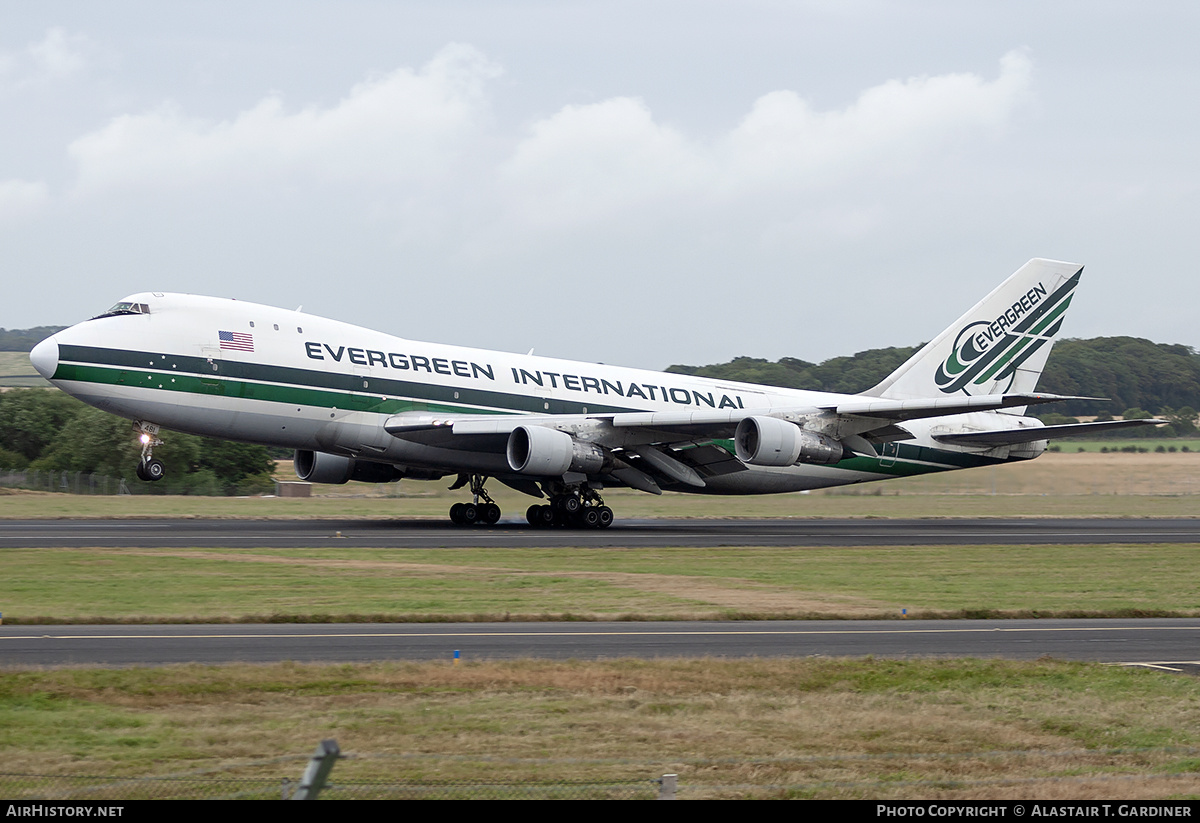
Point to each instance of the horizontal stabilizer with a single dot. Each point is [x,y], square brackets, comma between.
[1011,437]
[942,406]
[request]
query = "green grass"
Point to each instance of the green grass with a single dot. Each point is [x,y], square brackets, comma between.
[746,728]
[187,585]
[431,500]
[17,372]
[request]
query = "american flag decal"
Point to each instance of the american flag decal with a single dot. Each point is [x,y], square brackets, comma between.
[236,340]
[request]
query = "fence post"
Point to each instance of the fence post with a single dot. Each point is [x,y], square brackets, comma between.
[667,785]
[319,766]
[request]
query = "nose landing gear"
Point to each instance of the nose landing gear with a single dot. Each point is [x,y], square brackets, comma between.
[149,468]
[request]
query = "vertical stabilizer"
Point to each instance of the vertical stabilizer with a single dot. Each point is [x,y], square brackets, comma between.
[999,346]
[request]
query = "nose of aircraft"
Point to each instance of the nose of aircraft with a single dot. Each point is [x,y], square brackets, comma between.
[45,357]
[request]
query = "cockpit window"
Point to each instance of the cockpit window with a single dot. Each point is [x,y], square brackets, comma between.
[125,308]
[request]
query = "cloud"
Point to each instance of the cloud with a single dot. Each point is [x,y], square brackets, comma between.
[397,126]
[414,156]
[887,128]
[57,55]
[591,162]
[611,159]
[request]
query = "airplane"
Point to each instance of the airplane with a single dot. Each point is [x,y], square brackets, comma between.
[362,405]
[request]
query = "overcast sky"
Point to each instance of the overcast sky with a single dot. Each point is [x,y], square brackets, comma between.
[642,183]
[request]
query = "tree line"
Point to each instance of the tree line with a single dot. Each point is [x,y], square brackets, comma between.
[1139,378]
[25,339]
[47,430]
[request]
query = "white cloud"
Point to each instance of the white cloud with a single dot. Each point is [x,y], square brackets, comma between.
[396,126]
[55,56]
[887,129]
[416,144]
[612,159]
[59,54]
[591,162]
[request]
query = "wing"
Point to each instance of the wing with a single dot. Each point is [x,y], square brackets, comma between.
[713,425]
[648,449]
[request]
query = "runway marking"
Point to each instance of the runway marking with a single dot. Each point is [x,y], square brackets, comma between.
[704,633]
[1157,666]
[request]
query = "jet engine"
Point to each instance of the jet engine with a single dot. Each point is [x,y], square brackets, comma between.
[769,441]
[547,452]
[320,467]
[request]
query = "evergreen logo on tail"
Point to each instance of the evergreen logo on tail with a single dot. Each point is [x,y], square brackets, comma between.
[987,353]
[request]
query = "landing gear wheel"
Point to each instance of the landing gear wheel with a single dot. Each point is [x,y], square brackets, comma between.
[606,516]
[152,470]
[571,507]
[148,467]
[468,514]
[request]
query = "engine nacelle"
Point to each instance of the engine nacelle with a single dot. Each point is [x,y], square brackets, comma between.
[547,452]
[321,467]
[769,441]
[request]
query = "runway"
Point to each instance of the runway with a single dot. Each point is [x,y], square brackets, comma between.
[1169,643]
[1156,641]
[645,533]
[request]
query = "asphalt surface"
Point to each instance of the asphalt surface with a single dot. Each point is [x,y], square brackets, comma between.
[241,534]
[1159,642]
[1174,644]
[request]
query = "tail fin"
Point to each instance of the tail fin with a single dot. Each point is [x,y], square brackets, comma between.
[999,346]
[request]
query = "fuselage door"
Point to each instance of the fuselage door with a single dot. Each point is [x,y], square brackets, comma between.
[210,371]
[888,453]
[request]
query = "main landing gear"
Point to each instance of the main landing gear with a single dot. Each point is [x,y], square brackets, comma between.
[571,507]
[575,509]
[486,513]
[149,467]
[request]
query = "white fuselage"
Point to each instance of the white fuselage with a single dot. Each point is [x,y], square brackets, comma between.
[306,382]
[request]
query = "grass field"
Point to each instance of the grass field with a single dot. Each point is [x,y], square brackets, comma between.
[1054,485]
[915,729]
[814,728]
[17,372]
[202,585]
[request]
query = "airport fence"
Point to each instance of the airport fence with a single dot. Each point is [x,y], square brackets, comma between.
[64,481]
[68,482]
[100,788]
[1079,774]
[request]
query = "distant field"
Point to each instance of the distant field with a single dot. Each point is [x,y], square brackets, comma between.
[1062,484]
[17,372]
[1149,444]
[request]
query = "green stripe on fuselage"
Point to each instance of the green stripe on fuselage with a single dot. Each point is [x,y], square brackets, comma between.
[283,384]
[193,375]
